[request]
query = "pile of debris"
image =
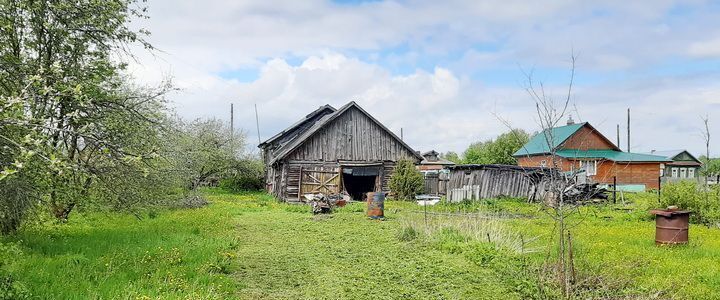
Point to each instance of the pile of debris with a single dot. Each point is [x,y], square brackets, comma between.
[324,204]
[584,192]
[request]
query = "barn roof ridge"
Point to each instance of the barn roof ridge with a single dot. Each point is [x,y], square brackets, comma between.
[297,141]
[298,124]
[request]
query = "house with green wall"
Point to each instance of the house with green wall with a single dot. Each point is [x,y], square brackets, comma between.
[683,165]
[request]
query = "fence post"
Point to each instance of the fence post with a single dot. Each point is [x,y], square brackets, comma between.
[659,187]
[614,189]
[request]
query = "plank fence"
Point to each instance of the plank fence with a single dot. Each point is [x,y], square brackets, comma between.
[436,183]
[475,182]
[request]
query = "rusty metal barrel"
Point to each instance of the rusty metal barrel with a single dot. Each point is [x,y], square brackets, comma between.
[671,226]
[376,205]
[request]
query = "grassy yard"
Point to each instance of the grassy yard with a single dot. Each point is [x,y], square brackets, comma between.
[251,247]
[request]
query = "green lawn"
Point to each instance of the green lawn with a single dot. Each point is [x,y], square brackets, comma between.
[251,247]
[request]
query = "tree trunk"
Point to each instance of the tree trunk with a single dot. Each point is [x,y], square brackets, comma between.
[62,211]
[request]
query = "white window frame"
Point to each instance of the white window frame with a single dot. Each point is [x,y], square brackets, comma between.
[584,165]
[674,173]
[683,173]
[691,172]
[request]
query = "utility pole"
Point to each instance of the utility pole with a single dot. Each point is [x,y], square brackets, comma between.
[257,124]
[401,133]
[628,128]
[618,135]
[232,121]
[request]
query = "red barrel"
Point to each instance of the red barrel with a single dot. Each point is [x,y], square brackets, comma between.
[376,205]
[671,226]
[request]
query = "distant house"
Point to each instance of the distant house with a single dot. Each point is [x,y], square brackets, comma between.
[683,165]
[582,147]
[433,162]
[332,151]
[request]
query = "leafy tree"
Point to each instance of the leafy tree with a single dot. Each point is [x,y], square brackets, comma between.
[244,175]
[452,156]
[497,151]
[205,149]
[66,107]
[711,167]
[407,181]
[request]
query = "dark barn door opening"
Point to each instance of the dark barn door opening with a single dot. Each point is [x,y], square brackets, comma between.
[359,181]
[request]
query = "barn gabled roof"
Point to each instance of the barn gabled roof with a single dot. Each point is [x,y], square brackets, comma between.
[327,109]
[326,119]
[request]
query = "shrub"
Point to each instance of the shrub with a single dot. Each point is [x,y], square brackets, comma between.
[11,289]
[242,182]
[705,204]
[245,175]
[407,181]
[18,198]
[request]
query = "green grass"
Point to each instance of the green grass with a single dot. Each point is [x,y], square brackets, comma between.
[240,246]
[248,246]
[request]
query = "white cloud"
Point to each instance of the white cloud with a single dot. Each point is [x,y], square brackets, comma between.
[707,48]
[440,108]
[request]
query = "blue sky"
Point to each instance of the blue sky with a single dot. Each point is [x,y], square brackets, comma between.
[449,73]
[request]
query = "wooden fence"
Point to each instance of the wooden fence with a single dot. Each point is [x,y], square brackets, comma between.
[474,182]
[436,183]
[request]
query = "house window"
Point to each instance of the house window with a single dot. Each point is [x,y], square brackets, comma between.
[675,172]
[590,166]
[683,172]
[691,173]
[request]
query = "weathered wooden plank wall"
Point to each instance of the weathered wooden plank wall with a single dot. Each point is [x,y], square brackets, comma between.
[436,183]
[489,183]
[353,137]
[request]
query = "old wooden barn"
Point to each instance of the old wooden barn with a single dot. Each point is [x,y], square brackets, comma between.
[331,151]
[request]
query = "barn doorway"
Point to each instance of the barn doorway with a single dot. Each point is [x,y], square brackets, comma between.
[360,180]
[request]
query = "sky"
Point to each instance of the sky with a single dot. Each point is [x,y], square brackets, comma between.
[448,73]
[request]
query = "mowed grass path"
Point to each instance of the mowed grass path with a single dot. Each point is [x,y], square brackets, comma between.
[239,247]
[286,253]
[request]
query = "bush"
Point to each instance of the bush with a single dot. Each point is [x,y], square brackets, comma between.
[17,197]
[242,182]
[245,175]
[11,289]
[407,181]
[705,204]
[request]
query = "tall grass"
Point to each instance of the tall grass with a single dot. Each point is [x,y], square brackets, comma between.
[471,227]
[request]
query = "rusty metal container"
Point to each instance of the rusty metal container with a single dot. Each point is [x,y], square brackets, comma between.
[671,226]
[376,205]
